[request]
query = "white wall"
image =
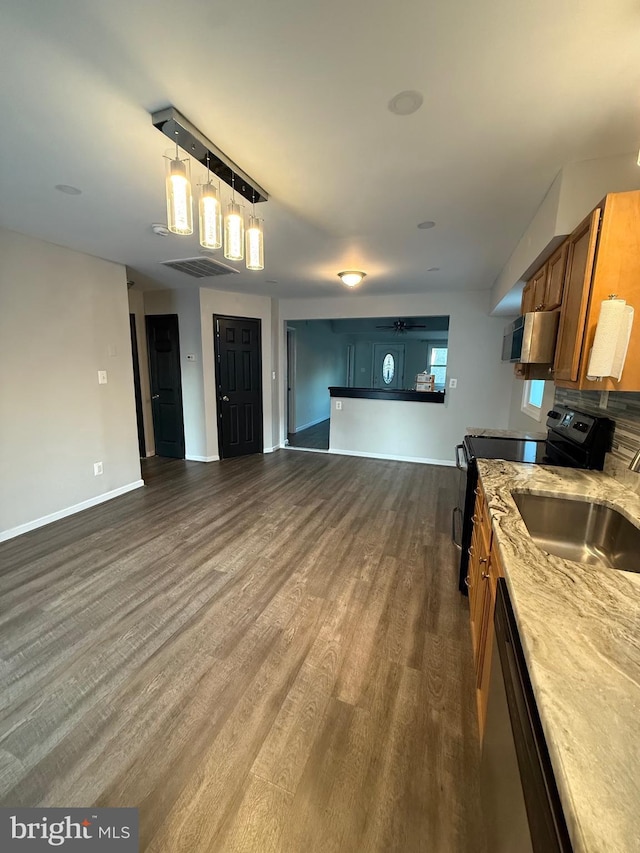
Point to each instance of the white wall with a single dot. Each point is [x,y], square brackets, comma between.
[483,395]
[63,317]
[320,362]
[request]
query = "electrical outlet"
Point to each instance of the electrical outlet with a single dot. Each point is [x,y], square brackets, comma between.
[338,404]
[97,469]
[102,377]
[453,383]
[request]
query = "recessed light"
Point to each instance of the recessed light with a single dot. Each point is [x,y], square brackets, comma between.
[433,269]
[428,223]
[68,190]
[160,230]
[405,103]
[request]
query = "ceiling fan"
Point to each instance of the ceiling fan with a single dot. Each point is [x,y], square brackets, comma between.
[401,326]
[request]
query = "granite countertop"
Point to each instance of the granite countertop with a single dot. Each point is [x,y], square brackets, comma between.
[524,435]
[580,630]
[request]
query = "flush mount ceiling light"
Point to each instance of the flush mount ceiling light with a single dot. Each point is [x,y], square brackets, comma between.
[405,103]
[179,206]
[428,223]
[351,278]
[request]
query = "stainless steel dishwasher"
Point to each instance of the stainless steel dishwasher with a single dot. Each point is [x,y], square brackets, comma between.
[520,800]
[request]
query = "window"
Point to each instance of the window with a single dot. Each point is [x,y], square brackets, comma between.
[532,398]
[388,368]
[437,364]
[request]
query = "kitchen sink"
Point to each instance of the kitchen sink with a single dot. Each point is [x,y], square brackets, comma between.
[585,532]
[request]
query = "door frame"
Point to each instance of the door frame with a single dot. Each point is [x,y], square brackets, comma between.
[137,387]
[216,366]
[149,318]
[291,381]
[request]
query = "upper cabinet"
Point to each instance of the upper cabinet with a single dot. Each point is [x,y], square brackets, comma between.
[600,258]
[543,291]
[603,259]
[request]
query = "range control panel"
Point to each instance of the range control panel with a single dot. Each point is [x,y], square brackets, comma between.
[575,426]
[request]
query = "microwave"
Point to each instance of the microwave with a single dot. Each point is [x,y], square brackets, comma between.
[531,338]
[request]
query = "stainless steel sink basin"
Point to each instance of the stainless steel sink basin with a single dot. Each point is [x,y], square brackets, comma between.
[584,532]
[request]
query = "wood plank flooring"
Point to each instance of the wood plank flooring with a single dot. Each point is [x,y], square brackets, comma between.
[313,438]
[264,654]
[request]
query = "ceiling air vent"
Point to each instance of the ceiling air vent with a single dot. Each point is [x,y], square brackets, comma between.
[200,267]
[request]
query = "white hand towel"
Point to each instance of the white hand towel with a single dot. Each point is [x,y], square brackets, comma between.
[611,340]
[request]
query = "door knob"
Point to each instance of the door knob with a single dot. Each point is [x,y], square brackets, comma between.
[155,396]
[225,398]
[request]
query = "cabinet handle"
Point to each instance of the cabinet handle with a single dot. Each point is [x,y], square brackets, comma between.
[474,518]
[483,559]
[485,575]
[476,491]
[471,551]
[467,581]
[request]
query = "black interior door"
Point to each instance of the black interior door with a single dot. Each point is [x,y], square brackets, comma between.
[166,384]
[239,385]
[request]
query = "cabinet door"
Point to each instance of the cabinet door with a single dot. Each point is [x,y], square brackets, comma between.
[581,250]
[556,266]
[527,298]
[539,286]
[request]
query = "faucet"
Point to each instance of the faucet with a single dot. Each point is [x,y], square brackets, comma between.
[634,465]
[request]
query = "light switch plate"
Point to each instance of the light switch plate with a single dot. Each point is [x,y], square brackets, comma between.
[102,377]
[453,383]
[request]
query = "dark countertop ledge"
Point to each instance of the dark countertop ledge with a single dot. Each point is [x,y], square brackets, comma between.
[384,394]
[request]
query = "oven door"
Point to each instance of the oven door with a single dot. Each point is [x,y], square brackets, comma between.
[462,463]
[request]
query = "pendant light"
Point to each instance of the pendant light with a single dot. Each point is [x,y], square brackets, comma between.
[179,204]
[210,211]
[255,241]
[234,228]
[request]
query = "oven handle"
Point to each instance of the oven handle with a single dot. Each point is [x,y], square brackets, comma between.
[460,447]
[456,512]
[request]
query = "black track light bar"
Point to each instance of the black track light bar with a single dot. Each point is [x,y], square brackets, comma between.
[176,127]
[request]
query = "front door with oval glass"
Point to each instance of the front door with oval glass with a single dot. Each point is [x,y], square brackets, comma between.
[388,366]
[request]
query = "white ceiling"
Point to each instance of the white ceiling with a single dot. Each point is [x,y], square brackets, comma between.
[296,93]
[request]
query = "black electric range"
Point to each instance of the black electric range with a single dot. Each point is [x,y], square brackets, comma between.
[574,439]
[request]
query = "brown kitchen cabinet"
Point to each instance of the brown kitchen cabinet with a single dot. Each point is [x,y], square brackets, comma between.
[603,258]
[484,570]
[543,291]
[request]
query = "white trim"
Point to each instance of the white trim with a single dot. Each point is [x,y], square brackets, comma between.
[202,458]
[70,510]
[306,449]
[272,449]
[313,423]
[422,460]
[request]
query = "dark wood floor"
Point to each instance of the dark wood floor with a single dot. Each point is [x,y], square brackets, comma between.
[313,438]
[263,654]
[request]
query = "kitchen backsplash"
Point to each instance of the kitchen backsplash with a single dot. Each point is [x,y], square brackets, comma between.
[624,409]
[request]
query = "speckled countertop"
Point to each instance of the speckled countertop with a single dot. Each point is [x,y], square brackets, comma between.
[580,630]
[527,435]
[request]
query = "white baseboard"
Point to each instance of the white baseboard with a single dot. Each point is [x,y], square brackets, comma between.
[312,423]
[70,510]
[202,458]
[422,460]
[272,449]
[306,449]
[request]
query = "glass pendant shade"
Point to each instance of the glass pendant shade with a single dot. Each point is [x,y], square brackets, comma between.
[255,244]
[179,206]
[234,232]
[210,211]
